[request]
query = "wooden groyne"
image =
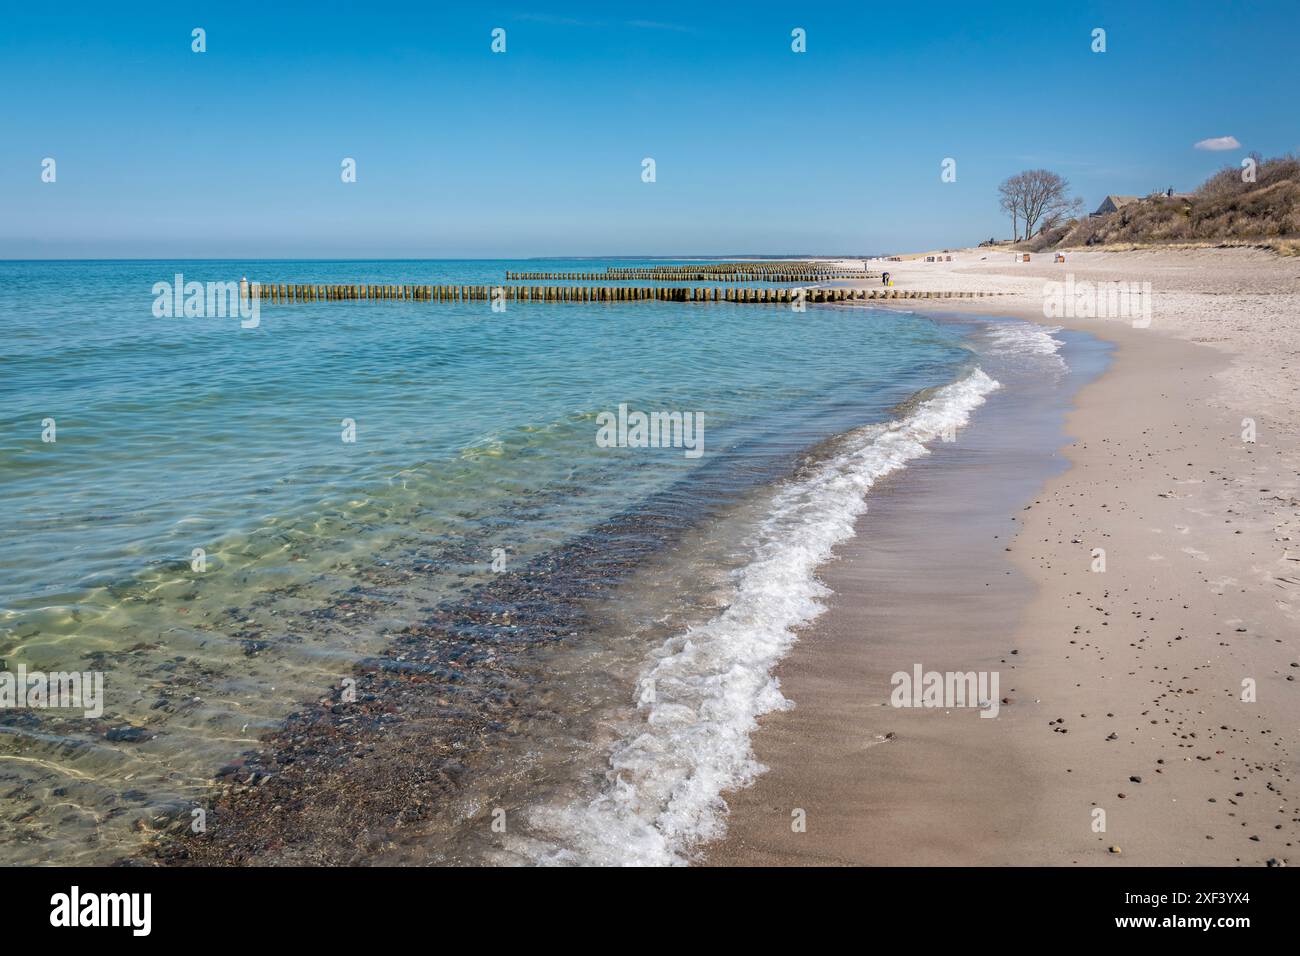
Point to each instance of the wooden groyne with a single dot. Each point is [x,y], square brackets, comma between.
[769,267]
[614,275]
[298,292]
[789,270]
[755,267]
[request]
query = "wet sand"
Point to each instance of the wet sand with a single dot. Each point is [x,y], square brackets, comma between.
[1125,686]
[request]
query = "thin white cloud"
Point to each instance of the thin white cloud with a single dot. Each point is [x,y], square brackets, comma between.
[1218,143]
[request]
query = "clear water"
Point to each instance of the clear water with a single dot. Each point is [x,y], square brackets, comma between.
[475,439]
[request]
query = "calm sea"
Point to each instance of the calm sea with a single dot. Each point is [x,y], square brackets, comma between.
[230,521]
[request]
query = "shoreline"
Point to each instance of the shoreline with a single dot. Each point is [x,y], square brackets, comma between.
[1143,662]
[923,582]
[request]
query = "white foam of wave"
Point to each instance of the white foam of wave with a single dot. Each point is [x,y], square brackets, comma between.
[662,793]
[1024,338]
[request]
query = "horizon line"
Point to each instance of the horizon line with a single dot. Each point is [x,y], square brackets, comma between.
[702,258]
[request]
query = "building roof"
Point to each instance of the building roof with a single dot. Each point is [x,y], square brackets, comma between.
[1113,202]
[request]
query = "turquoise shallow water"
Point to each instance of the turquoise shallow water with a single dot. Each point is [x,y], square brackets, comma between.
[475,438]
[174,433]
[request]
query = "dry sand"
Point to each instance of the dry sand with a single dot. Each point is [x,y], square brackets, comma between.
[1125,686]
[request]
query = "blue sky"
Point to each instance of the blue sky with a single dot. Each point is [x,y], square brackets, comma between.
[236,152]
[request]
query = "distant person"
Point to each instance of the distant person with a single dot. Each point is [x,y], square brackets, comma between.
[884,278]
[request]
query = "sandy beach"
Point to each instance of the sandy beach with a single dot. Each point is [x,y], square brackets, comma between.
[1160,691]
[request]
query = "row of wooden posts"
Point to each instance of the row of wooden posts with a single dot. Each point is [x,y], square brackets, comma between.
[797,268]
[787,266]
[296,292]
[722,269]
[764,276]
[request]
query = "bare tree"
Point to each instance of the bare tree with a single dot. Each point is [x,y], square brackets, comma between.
[1039,198]
[1072,209]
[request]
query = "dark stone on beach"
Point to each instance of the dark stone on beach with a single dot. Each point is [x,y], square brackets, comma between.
[1135,779]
